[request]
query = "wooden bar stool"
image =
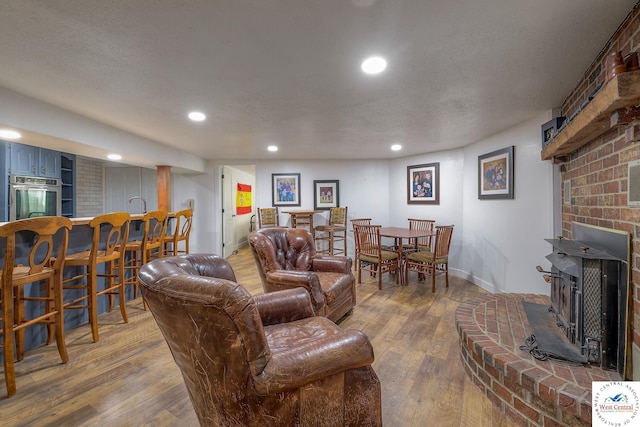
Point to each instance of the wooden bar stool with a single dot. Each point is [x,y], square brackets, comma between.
[140,251]
[110,231]
[46,237]
[181,231]
[334,231]
[268,217]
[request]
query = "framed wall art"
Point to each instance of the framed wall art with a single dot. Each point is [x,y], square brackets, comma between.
[326,194]
[423,184]
[285,189]
[495,174]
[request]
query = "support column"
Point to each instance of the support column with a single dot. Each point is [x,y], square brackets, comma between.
[164,187]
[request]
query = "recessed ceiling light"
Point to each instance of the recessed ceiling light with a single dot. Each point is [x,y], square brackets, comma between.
[197,116]
[374,65]
[10,134]
[114,157]
[272,148]
[396,147]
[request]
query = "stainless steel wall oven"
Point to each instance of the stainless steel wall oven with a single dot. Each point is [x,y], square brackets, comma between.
[31,196]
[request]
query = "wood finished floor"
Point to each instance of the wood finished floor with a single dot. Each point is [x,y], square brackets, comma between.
[129,378]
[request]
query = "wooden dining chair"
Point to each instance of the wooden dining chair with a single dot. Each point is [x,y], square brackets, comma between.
[43,238]
[433,262]
[422,243]
[354,222]
[335,231]
[371,256]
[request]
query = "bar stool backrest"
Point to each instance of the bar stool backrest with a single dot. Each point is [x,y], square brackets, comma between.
[338,216]
[268,217]
[110,231]
[181,231]
[155,227]
[42,230]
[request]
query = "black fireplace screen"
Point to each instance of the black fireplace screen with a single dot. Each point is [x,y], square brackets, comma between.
[589,283]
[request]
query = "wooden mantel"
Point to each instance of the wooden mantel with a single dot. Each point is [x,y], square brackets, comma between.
[595,118]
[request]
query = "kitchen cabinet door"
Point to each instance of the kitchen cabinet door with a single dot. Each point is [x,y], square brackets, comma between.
[48,163]
[27,160]
[23,159]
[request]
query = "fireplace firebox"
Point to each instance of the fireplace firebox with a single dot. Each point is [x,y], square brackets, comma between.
[589,283]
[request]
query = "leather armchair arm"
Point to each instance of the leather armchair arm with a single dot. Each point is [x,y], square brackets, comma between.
[288,279]
[284,306]
[301,365]
[333,264]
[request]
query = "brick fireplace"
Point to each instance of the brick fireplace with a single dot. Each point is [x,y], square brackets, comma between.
[530,391]
[595,176]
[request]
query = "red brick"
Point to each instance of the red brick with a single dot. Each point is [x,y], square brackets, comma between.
[501,391]
[568,398]
[492,371]
[528,411]
[547,388]
[495,399]
[531,378]
[585,411]
[479,384]
[550,422]
[484,377]
[515,416]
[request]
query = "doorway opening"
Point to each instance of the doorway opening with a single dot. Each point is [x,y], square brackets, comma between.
[238,193]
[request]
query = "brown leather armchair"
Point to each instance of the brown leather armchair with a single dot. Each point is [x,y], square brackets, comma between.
[286,258]
[264,360]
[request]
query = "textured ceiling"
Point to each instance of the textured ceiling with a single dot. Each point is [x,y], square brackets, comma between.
[287,72]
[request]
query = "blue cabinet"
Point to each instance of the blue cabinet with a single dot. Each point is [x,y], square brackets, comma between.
[33,161]
[68,178]
[22,159]
[49,163]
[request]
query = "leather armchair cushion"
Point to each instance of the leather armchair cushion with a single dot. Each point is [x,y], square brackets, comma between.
[286,258]
[306,351]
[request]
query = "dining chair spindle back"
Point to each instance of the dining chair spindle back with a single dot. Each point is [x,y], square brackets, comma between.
[371,256]
[433,262]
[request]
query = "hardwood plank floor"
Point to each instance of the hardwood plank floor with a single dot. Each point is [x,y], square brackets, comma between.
[130,379]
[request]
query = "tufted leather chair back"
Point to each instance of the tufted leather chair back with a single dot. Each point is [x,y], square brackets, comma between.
[262,360]
[281,248]
[185,293]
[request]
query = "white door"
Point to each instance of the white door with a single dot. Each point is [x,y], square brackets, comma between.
[230,242]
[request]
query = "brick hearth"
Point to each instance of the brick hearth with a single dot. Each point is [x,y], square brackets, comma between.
[530,391]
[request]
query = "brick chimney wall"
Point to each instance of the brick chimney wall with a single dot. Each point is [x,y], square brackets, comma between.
[597,172]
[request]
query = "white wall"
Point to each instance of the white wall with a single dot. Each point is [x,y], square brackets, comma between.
[204,190]
[504,239]
[449,211]
[364,187]
[496,243]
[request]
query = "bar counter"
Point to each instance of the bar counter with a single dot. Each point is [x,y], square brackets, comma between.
[80,237]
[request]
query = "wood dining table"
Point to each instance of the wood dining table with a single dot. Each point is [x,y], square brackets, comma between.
[399,234]
[302,218]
